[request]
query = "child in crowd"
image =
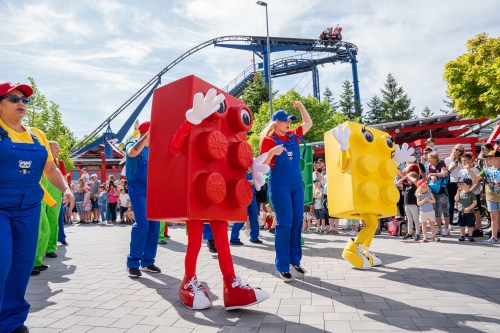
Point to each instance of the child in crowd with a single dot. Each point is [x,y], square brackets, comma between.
[319,212]
[67,212]
[87,205]
[491,176]
[102,200]
[308,214]
[466,203]
[425,200]
[409,182]
[271,216]
[354,224]
[124,200]
[129,215]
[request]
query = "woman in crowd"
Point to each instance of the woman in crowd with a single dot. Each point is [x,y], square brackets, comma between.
[25,155]
[437,169]
[285,185]
[454,166]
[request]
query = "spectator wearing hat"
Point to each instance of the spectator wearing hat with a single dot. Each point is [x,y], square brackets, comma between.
[25,155]
[425,200]
[144,236]
[469,171]
[466,202]
[94,188]
[85,175]
[481,161]
[491,176]
[285,185]
[432,145]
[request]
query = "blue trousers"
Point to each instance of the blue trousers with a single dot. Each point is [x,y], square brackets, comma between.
[289,205]
[18,242]
[253,218]
[61,237]
[144,238]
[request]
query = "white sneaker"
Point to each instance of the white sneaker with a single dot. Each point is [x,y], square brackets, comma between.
[353,233]
[445,231]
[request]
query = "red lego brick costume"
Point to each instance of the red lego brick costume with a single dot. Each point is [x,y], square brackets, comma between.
[197,173]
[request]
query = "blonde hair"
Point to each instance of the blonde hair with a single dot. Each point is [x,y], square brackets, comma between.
[419,192]
[434,156]
[267,131]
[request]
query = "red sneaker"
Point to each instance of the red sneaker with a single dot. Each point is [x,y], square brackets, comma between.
[238,294]
[193,294]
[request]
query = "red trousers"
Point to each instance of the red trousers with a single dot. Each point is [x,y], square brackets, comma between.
[195,232]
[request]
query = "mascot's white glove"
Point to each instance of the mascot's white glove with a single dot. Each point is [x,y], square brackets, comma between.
[204,106]
[258,171]
[404,154]
[342,133]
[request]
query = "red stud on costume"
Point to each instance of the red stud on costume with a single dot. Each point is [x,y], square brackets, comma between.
[197,173]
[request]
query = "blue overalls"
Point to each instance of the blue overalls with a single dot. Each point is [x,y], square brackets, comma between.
[287,196]
[144,238]
[20,199]
[253,213]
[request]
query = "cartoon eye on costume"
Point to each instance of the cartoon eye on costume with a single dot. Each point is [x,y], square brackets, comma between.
[390,142]
[220,113]
[367,135]
[222,108]
[240,118]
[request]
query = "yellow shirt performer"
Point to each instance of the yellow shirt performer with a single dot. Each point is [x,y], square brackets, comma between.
[361,167]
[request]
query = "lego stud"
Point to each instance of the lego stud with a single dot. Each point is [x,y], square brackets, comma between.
[240,155]
[369,190]
[240,193]
[388,169]
[211,146]
[210,188]
[367,165]
[389,195]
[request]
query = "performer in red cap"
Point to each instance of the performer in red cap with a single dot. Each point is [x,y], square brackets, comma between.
[144,238]
[25,155]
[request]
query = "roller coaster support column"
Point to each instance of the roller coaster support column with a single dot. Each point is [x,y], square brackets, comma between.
[107,136]
[355,81]
[315,79]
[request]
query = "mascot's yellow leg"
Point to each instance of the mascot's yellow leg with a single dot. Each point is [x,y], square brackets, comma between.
[353,252]
[371,222]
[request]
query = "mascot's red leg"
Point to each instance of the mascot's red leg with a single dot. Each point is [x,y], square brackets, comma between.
[237,293]
[191,292]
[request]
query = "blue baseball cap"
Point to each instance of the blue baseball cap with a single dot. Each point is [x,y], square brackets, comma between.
[281,115]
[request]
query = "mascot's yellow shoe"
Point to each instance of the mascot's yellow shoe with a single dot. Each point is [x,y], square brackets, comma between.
[354,254]
[374,260]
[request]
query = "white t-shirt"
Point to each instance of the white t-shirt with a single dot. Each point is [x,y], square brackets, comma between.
[465,174]
[318,203]
[123,199]
[454,173]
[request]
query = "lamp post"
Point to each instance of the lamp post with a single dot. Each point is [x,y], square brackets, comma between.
[262,3]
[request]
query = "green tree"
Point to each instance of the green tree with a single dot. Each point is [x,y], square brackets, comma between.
[426,113]
[346,103]
[255,93]
[395,102]
[448,104]
[473,79]
[322,114]
[375,113]
[330,99]
[45,116]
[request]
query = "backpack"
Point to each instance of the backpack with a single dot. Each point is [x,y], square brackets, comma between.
[439,186]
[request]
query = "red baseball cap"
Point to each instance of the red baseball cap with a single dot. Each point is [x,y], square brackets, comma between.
[144,127]
[422,182]
[7,87]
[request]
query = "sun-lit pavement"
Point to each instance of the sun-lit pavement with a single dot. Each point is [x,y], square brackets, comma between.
[435,287]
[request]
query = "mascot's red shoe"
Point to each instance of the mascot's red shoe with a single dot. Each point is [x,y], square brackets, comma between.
[193,294]
[238,294]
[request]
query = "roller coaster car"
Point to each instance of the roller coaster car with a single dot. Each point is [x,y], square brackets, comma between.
[331,36]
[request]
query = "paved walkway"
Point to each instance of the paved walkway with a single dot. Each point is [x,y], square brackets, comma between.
[434,287]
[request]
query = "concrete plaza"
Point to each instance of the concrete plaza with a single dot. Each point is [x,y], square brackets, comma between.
[448,286]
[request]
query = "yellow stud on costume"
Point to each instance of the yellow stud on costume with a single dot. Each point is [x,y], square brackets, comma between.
[361,171]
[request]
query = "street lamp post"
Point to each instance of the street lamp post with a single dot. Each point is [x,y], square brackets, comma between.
[262,3]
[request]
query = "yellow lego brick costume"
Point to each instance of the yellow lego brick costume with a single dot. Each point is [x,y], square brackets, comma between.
[361,164]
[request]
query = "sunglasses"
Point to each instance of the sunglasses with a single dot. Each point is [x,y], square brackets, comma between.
[16,99]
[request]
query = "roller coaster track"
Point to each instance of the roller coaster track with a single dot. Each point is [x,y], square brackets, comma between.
[342,49]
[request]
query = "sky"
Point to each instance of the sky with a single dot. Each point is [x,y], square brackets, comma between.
[91,56]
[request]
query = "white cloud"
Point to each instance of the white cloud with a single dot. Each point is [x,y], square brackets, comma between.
[91,56]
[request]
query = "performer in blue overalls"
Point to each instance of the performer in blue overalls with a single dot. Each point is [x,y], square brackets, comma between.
[144,238]
[25,155]
[285,185]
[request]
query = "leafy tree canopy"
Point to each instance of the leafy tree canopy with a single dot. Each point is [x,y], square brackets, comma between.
[45,116]
[473,79]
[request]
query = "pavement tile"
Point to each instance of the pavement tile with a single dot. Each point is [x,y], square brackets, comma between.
[86,291]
